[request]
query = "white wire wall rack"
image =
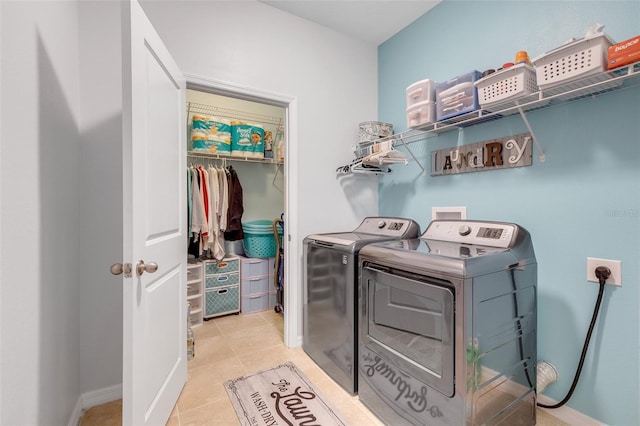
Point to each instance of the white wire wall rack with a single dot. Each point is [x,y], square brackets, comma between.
[374,157]
[237,115]
[231,114]
[604,82]
[622,78]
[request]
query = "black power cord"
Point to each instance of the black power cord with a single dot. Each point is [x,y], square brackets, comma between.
[602,273]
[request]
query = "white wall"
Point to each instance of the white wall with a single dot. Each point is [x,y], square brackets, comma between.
[101,193]
[333,79]
[60,189]
[40,376]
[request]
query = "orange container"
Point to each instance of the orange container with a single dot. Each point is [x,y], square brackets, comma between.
[624,53]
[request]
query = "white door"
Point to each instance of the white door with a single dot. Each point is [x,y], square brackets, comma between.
[154,161]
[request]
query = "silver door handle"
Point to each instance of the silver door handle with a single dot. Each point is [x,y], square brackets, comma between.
[150,267]
[119,268]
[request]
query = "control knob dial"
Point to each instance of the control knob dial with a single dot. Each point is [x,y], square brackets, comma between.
[381,224]
[464,230]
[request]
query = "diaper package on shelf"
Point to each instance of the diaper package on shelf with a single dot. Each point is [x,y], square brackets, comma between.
[199,141]
[200,124]
[220,135]
[247,140]
[211,135]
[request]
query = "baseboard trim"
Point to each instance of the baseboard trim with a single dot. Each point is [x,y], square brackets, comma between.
[567,414]
[76,415]
[93,398]
[101,396]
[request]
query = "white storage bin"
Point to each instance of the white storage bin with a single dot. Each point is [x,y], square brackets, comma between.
[255,267]
[421,91]
[420,114]
[502,88]
[196,318]
[195,303]
[255,303]
[574,61]
[255,285]
[194,271]
[194,289]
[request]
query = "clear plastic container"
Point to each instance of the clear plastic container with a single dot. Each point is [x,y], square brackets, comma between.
[421,91]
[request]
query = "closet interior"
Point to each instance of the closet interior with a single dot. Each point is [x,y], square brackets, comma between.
[236,204]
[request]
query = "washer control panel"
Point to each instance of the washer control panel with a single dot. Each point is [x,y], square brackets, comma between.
[389,226]
[491,234]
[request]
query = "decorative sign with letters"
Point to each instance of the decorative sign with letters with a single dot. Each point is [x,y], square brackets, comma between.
[502,153]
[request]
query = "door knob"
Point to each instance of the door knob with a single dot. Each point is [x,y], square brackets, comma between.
[119,268]
[150,267]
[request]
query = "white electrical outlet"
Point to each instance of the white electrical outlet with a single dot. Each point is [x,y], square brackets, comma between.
[614,265]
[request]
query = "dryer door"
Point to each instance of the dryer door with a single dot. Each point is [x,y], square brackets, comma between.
[409,321]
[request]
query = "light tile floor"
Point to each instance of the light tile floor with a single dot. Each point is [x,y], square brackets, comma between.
[235,345]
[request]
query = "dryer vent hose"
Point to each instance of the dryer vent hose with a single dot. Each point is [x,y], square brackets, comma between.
[546,375]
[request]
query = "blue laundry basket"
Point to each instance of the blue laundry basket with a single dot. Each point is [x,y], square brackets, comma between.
[259,240]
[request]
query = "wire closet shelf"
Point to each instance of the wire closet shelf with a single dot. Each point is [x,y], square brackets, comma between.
[626,77]
[231,114]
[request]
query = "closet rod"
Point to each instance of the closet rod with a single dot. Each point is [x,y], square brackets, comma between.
[192,154]
[200,159]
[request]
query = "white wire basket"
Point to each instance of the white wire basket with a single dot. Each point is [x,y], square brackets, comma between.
[502,88]
[373,130]
[574,64]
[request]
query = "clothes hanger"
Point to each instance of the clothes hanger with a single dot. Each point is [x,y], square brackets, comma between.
[384,153]
[390,156]
[357,166]
[360,167]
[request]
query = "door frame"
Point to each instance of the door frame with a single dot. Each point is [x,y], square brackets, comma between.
[292,293]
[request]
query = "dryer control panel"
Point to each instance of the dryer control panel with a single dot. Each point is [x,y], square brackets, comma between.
[491,234]
[388,226]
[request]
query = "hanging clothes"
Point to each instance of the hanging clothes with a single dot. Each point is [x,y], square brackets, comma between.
[189,203]
[204,189]
[214,210]
[215,241]
[198,218]
[224,197]
[233,230]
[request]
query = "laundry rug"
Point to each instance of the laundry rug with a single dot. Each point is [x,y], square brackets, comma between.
[281,395]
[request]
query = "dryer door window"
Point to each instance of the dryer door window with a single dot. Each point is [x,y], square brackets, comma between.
[412,322]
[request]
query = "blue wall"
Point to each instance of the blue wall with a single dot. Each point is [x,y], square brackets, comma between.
[583,201]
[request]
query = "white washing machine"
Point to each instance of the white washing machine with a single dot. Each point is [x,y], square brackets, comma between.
[447,326]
